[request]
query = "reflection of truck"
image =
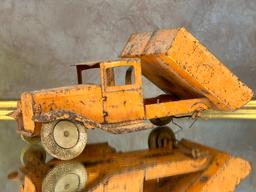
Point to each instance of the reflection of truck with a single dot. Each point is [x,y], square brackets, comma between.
[192,78]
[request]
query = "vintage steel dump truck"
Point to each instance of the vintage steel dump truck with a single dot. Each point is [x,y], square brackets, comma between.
[192,78]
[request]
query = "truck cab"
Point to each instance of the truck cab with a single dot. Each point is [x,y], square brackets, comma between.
[121,86]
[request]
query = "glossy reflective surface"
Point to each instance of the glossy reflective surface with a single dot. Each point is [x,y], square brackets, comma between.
[168,164]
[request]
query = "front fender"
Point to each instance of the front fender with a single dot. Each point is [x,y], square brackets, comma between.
[68,115]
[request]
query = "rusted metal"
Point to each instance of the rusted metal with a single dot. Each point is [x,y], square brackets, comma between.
[179,64]
[126,127]
[176,108]
[62,115]
[80,67]
[192,78]
[123,102]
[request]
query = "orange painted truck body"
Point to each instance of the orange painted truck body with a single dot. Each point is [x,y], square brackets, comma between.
[179,64]
[175,61]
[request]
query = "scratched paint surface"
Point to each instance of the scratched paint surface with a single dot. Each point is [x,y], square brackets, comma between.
[174,57]
[40,39]
[82,99]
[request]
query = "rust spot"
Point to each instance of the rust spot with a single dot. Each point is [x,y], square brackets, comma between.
[204,179]
[61,114]
[82,102]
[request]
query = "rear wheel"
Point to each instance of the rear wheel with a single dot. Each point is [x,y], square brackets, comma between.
[161,137]
[64,139]
[161,121]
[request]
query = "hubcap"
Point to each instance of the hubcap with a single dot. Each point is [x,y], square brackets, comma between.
[68,183]
[66,134]
[65,177]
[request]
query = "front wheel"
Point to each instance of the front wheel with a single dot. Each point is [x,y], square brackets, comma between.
[65,177]
[63,139]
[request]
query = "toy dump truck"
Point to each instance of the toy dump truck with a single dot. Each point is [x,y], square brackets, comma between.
[192,78]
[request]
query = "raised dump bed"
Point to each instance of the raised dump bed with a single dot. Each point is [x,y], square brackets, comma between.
[176,62]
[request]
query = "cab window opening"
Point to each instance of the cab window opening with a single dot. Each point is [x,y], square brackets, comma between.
[120,76]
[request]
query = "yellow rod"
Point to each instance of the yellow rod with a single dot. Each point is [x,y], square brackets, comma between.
[8,104]
[239,111]
[5,112]
[6,118]
[229,116]
[252,102]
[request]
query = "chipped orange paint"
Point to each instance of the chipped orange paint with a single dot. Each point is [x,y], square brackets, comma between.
[179,64]
[85,100]
[125,102]
[175,108]
[103,104]
[174,60]
[27,113]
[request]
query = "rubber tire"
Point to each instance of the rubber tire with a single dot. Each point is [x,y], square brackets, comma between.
[159,133]
[161,121]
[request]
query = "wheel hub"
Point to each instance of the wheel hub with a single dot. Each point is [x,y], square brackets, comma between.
[65,177]
[68,183]
[66,134]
